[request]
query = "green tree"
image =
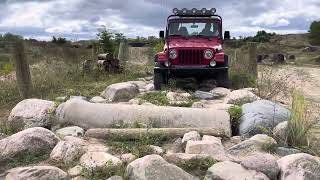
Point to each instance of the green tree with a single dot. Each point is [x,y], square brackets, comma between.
[105,38]
[119,37]
[59,40]
[314,33]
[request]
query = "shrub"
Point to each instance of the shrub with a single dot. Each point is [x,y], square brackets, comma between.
[159,46]
[241,79]
[273,84]
[197,167]
[235,115]
[314,36]
[299,123]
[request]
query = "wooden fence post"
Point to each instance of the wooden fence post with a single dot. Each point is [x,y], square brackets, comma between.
[22,69]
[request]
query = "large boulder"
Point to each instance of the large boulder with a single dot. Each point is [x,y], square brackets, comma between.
[154,167]
[299,166]
[31,113]
[184,158]
[257,143]
[285,151]
[36,173]
[96,161]
[90,115]
[262,162]
[66,153]
[261,114]
[228,171]
[30,142]
[241,96]
[120,92]
[177,98]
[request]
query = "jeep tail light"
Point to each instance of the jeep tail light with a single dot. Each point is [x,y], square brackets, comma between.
[208,54]
[173,54]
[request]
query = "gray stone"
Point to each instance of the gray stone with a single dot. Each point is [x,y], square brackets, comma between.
[96,161]
[228,171]
[75,171]
[30,142]
[205,95]
[66,153]
[98,99]
[31,113]
[70,131]
[61,99]
[149,87]
[36,173]
[139,84]
[262,162]
[120,92]
[156,149]
[299,166]
[216,150]
[280,132]
[155,167]
[234,140]
[283,151]
[79,97]
[184,158]
[257,143]
[192,135]
[175,147]
[262,113]
[89,115]
[241,96]
[127,158]
[220,92]
[212,139]
[177,98]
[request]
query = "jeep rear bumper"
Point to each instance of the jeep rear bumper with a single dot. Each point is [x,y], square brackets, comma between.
[190,71]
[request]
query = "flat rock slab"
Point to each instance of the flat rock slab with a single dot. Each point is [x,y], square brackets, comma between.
[89,115]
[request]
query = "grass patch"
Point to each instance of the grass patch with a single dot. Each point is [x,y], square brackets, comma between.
[241,80]
[299,123]
[138,147]
[235,115]
[159,98]
[105,173]
[197,167]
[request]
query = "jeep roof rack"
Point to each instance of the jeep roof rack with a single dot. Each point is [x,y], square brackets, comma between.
[194,12]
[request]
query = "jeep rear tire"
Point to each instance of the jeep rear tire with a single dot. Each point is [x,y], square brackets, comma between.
[223,79]
[158,81]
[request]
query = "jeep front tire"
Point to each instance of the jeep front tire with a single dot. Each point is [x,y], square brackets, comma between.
[158,81]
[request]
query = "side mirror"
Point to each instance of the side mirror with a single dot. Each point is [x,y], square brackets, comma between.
[226,35]
[161,34]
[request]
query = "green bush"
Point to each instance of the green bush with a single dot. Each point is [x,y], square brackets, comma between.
[235,115]
[159,46]
[314,36]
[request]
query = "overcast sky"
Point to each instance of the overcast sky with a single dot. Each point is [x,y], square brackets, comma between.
[80,19]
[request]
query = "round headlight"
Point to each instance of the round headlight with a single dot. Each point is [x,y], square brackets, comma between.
[184,10]
[213,63]
[208,54]
[173,54]
[167,64]
[175,11]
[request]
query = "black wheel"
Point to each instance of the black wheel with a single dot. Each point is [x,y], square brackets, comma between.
[158,81]
[223,79]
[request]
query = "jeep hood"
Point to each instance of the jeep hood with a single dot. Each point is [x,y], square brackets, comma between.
[193,43]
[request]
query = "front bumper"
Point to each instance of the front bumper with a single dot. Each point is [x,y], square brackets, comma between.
[190,71]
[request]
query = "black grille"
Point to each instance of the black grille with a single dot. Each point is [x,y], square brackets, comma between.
[190,56]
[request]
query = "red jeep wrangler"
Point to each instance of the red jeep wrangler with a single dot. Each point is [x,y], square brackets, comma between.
[193,48]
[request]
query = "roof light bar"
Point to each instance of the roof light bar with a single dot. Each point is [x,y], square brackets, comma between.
[194,11]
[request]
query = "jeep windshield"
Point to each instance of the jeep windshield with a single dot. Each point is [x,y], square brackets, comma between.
[196,29]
